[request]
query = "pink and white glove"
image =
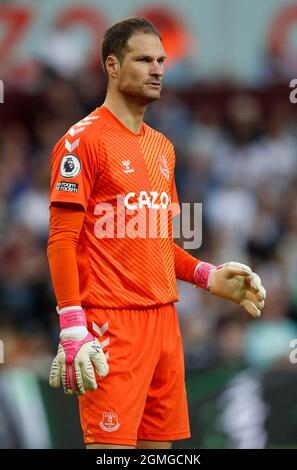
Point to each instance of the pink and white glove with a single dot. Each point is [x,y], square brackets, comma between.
[79,353]
[233,281]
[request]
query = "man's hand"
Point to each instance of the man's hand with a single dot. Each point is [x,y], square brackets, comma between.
[79,353]
[233,281]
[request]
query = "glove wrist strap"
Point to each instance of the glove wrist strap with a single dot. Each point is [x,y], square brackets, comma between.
[201,274]
[75,317]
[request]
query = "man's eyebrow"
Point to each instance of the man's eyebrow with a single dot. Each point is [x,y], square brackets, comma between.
[145,56]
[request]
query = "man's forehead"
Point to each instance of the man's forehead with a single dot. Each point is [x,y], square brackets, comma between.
[144,44]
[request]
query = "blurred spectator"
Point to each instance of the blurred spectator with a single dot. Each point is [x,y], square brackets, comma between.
[63,52]
[267,341]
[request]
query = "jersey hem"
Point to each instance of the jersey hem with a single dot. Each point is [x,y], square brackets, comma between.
[129,307]
[148,436]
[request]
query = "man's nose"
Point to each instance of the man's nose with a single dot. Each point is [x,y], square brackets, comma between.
[157,69]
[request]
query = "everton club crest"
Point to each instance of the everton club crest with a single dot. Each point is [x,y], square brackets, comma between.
[164,167]
[109,422]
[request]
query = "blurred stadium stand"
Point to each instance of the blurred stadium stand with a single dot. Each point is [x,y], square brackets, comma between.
[236,148]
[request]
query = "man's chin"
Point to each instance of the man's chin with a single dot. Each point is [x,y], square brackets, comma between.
[144,98]
[153,96]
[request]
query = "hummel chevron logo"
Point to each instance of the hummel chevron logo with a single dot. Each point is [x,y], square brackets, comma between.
[105,343]
[76,129]
[90,118]
[73,132]
[70,147]
[86,123]
[99,330]
[81,125]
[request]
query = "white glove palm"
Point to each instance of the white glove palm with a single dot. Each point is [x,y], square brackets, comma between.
[75,362]
[237,282]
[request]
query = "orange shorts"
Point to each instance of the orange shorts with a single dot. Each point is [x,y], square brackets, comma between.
[143,396]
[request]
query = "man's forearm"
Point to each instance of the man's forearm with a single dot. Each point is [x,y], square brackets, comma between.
[185,264]
[232,281]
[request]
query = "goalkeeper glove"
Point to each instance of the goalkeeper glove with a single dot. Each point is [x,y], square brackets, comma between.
[233,281]
[78,354]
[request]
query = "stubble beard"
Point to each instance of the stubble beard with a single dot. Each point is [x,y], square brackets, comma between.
[139,95]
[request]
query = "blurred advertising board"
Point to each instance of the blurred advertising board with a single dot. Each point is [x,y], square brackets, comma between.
[211,39]
[229,407]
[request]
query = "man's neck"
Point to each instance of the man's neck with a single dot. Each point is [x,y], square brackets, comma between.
[129,113]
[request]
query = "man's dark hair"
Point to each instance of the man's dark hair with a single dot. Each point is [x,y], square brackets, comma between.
[116,37]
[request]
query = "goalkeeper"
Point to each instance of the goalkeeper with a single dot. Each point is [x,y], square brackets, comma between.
[120,344]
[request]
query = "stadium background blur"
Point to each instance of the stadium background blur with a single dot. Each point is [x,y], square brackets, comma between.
[226,108]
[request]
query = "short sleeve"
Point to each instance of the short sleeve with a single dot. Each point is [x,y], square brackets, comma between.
[175,207]
[74,171]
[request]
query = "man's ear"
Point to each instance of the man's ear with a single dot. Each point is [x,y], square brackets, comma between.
[112,65]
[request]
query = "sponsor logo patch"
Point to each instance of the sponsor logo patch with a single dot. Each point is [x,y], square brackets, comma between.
[65,186]
[70,166]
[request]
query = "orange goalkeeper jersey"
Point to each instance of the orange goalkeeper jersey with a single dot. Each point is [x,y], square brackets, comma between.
[125,183]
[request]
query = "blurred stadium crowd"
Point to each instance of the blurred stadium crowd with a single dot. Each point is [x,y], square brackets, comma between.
[236,153]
